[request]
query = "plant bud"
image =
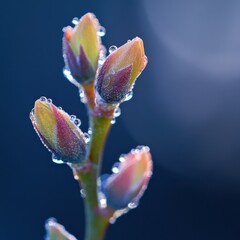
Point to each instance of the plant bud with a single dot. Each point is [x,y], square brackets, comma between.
[119,72]
[81,47]
[58,132]
[127,184]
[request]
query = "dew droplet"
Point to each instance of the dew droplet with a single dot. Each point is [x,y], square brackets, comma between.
[115,168]
[87,137]
[43,99]
[49,100]
[128,96]
[83,193]
[82,96]
[132,205]
[112,48]
[49,222]
[113,121]
[68,74]
[103,203]
[76,177]
[101,31]
[145,148]
[56,160]
[77,122]
[60,108]
[81,93]
[102,200]
[75,21]
[122,158]
[89,131]
[72,117]
[117,112]
[101,60]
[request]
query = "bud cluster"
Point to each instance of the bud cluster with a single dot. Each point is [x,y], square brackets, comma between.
[82,51]
[104,83]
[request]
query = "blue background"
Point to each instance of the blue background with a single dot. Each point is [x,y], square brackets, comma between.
[185,107]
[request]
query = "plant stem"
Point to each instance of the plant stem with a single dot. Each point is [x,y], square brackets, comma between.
[89,91]
[96,223]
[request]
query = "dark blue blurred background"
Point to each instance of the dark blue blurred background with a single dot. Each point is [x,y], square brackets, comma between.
[185,107]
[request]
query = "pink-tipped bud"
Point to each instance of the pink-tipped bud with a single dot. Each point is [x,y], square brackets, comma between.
[58,131]
[119,72]
[130,179]
[81,47]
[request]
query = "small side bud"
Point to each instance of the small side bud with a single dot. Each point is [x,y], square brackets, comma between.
[81,48]
[126,185]
[56,231]
[58,132]
[119,72]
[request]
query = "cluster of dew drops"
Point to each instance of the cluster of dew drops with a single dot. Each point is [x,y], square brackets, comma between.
[102,57]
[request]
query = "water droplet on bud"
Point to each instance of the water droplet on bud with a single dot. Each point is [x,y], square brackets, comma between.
[113,121]
[132,205]
[72,117]
[49,100]
[56,160]
[51,221]
[102,200]
[115,168]
[89,131]
[112,48]
[122,158]
[75,20]
[87,137]
[117,112]
[101,31]
[68,74]
[77,122]
[43,99]
[128,96]
[101,60]
[82,96]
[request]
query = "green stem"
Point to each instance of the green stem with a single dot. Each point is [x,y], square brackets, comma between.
[96,223]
